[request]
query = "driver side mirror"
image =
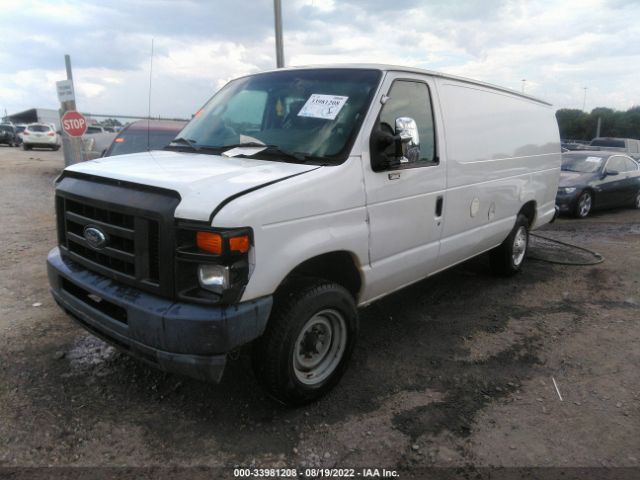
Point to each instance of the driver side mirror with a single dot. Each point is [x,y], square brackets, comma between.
[608,172]
[407,139]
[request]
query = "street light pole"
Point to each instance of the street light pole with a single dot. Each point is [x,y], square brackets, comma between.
[277,12]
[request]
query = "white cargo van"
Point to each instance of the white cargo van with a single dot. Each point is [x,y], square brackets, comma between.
[292,198]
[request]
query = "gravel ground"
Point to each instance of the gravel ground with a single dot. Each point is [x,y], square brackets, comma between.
[457,370]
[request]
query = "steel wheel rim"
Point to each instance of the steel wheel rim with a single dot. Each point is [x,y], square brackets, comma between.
[320,347]
[519,245]
[584,204]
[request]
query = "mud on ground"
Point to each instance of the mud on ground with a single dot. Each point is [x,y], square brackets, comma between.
[454,371]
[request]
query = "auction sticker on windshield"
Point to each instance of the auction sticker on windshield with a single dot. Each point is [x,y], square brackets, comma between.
[323,106]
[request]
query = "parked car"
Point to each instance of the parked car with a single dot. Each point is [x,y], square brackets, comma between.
[144,135]
[19,132]
[40,135]
[95,128]
[597,179]
[630,146]
[289,200]
[8,135]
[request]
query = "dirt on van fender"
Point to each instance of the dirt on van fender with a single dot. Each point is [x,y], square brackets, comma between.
[461,370]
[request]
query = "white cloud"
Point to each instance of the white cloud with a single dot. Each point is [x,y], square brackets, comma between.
[559,47]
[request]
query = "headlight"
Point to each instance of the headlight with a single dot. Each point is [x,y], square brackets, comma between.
[211,264]
[568,189]
[214,278]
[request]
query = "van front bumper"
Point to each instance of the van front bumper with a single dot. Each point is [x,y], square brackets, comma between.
[184,338]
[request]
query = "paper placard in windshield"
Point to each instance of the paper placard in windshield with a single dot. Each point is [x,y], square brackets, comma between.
[593,159]
[323,106]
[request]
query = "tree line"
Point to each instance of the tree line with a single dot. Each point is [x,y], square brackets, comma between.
[578,125]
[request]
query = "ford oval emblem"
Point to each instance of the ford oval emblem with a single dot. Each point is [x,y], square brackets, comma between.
[95,237]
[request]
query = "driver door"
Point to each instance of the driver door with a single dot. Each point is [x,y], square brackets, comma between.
[405,194]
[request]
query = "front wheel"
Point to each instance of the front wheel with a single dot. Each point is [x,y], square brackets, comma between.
[308,341]
[507,258]
[584,204]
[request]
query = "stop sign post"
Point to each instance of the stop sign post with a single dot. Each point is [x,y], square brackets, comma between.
[72,146]
[74,124]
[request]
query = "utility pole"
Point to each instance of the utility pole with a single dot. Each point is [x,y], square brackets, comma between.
[71,146]
[277,12]
[584,101]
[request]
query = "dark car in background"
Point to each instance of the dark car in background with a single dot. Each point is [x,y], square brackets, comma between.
[144,135]
[597,179]
[8,135]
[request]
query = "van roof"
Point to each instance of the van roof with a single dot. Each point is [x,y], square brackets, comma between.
[398,68]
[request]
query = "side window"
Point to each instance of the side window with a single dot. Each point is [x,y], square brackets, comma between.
[631,165]
[406,99]
[616,163]
[633,146]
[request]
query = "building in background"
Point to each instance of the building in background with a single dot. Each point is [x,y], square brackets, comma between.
[36,115]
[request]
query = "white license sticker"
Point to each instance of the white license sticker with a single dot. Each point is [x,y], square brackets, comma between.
[593,159]
[323,106]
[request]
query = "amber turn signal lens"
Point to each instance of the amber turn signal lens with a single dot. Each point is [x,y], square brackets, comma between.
[209,242]
[239,244]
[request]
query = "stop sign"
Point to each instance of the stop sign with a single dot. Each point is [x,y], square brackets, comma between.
[74,124]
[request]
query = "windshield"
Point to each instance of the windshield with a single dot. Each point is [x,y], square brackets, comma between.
[314,113]
[582,163]
[38,128]
[135,141]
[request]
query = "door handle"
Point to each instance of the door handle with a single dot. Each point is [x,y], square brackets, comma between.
[439,203]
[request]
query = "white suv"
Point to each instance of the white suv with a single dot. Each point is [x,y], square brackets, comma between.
[40,135]
[292,198]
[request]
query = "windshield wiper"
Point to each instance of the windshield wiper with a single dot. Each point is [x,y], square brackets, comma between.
[186,141]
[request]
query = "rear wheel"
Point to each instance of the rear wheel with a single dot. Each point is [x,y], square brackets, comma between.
[308,342]
[26,147]
[584,204]
[508,257]
[56,148]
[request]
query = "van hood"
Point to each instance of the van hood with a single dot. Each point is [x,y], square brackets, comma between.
[203,181]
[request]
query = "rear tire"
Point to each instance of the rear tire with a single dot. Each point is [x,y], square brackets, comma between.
[584,204]
[26,147]
[56,148]
[508,257]
[309,339]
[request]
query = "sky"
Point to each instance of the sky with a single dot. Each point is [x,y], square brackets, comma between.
[558,47]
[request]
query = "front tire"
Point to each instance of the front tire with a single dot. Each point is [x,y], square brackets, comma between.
[508,257]
[584,204]
[309,339]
